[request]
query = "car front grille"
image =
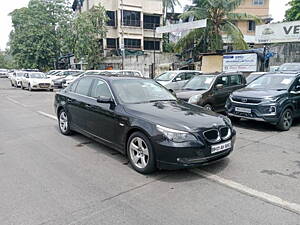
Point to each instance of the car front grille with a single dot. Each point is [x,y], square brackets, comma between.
[44,85]
[246,100]
[217,134]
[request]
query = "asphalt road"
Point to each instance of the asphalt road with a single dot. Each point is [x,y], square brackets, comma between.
[47,178]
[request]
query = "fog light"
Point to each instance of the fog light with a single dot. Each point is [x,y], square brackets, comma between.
[272,109]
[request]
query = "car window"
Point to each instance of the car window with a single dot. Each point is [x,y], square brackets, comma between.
[182,76]
[235,80]
[83,86]
[189,76]
[223,80]
[100,89]
[73,86]
[136,74]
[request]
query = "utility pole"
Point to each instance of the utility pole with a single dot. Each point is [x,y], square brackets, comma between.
[154,53]
[122,39]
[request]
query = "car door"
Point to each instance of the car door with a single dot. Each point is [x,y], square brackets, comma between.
[178,81]
[221,91]
[102,115]
[237,81]
[295,95]
[79,102]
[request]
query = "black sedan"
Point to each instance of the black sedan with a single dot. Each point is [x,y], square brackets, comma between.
[144,121]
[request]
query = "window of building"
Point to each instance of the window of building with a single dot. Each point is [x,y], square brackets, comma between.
[132,43]
[131,18]
[112,43]
[251,25]
[151,22]
[111,18]
[151,45]
[258,2]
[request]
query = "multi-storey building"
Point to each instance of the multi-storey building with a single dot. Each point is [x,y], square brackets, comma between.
[131,23]
[259,8]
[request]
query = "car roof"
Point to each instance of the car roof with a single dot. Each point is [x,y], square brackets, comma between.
[113,77]
[182,71]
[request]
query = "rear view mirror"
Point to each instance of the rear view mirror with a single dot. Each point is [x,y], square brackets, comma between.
[219,86]
[105,100]
[177,79]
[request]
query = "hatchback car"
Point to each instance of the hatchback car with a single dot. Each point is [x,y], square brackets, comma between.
[3,73]
[211,90]
[273,98]
[143,120]
[175,80]
[36,81]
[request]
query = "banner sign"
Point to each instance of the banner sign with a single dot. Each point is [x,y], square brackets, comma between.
[180,27]
[278,32]
[240,62]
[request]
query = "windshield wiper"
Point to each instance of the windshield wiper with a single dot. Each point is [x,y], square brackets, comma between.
[281,89]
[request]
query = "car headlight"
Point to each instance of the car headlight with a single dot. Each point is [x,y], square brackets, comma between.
[227,121]
[195,99]
[176,135]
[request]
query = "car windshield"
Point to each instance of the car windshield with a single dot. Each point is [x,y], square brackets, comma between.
[273,82]
[75,74]
[167,76]
[37,75]
[198,83]
[138,91]
[19,74]
[290,67]
[252,77]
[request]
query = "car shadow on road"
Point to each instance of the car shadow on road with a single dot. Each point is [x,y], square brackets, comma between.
[260,126]
[168,176]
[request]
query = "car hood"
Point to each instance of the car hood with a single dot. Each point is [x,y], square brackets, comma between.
[186,94]
[39,80]
[176,115]
[257,93]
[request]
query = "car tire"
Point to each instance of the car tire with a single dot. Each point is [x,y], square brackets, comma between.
[64,123]
[286,120]
[208,107]
[22,87]
[140,153]
[12,84]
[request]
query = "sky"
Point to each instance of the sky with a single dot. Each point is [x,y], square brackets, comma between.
[277,10]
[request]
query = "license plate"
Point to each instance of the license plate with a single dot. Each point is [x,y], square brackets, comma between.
[220,147]
[242,110]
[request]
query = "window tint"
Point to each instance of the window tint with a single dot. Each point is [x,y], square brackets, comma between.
[223,80]
[73,86]
[182,76]
[84,86]
[100,89]
[235,80]
[189,76]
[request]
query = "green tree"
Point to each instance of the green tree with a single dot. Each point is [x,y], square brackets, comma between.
[40,33]
[293,13]
[6,61]
[220,21]
[88,30]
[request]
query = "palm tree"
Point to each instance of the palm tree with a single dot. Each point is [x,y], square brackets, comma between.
[221,19]
[169,5]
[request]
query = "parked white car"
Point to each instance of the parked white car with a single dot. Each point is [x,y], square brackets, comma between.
[36,81]
[62,73]
[3,73]
[16,78]
[175,80]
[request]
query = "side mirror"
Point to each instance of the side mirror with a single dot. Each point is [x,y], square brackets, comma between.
[105,100]
[219,86]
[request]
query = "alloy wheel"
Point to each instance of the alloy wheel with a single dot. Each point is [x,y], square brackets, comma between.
[208,107]
[63,122]
[139,152]
[287,119]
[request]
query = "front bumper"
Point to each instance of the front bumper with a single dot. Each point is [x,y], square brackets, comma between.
[42,87]
[258,112]
[178,156]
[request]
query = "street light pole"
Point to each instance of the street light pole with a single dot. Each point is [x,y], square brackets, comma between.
[154,53]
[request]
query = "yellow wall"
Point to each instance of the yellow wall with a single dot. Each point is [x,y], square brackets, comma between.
[212,63]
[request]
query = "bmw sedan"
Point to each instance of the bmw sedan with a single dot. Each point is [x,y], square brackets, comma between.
[144,121]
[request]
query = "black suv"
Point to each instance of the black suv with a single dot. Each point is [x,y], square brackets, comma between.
[212,90]
[273,98]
